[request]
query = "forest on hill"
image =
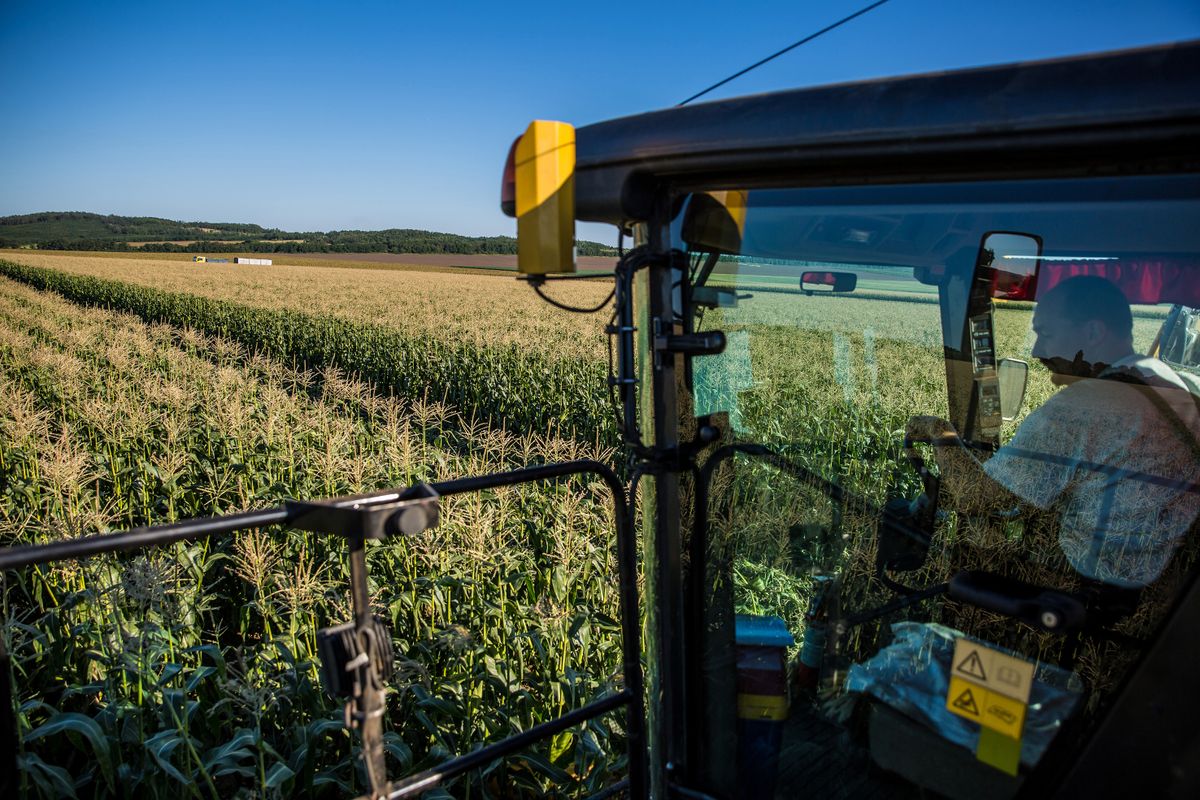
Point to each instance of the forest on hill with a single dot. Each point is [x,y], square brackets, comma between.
[77,230]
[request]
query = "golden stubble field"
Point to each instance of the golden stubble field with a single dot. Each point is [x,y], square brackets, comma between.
[480,308]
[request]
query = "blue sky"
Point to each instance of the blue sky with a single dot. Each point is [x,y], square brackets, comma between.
[321,116]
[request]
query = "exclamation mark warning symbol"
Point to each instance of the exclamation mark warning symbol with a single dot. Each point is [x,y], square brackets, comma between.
[972,666]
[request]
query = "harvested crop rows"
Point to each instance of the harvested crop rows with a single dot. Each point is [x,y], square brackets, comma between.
[190,669]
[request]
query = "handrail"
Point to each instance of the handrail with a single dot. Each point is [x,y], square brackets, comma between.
[27,555]
[424,781]
[631,696]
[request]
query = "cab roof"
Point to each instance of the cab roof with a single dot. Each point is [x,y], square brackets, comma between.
[1110,113]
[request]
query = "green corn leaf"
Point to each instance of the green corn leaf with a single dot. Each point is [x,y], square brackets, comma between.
[161,746]
[323,727]
[557,776]
[198,675]
[213,652]
[169,672]
[227,757]
[278,775]
[560,745]
[51,781]
[398,749]
[84,726]
[330,778]
[442,706]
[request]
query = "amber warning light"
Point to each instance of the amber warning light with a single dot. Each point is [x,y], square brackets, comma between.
[508,184]
[538,188]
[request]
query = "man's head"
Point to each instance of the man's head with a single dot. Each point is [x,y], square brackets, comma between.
[1083,325]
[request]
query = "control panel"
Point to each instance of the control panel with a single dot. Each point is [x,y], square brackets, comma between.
[987,381]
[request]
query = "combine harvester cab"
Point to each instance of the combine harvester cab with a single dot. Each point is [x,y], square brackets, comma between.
[907,373]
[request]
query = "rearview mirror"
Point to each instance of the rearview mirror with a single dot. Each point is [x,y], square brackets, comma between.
[1013,375]
[1014,260]
[814,282]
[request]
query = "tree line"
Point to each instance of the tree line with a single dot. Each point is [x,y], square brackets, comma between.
[74,230]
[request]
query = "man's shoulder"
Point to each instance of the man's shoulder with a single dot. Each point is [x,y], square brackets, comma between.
[1091,402]
[1147,369]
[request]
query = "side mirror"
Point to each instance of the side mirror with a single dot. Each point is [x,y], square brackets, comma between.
[1013,375]
[1014,260]
[715,221]
[814,282]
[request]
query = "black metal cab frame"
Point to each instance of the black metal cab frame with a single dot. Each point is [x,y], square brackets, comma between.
[1119,113]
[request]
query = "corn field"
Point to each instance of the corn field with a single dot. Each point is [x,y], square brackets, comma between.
[191,670]
[511,387]
[145,391]
[480,308]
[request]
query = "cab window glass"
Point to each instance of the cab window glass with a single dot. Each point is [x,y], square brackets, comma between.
[957,416]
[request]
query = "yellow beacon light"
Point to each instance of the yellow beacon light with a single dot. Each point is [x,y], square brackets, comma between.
[543,197]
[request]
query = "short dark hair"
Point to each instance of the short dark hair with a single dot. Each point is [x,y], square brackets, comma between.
[1084,298]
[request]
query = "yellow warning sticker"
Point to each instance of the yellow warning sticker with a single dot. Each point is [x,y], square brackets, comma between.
[999,751]
[762,706]
[990,709]
[993,670]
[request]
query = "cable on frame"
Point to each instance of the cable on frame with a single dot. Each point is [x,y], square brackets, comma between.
[790,47]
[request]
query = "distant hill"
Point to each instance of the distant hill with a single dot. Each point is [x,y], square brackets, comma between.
[78,230]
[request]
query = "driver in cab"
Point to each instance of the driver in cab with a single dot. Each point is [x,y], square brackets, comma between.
[1113,456]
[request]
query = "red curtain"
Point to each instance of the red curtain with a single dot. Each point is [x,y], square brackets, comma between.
[1147,282]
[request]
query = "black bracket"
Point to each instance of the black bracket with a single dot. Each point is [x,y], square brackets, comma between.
[356,658]
[708,343]
[342,655]
[1044,608]
[375,515]
[657,460]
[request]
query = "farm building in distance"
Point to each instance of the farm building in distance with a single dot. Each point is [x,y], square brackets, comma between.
[263,261]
